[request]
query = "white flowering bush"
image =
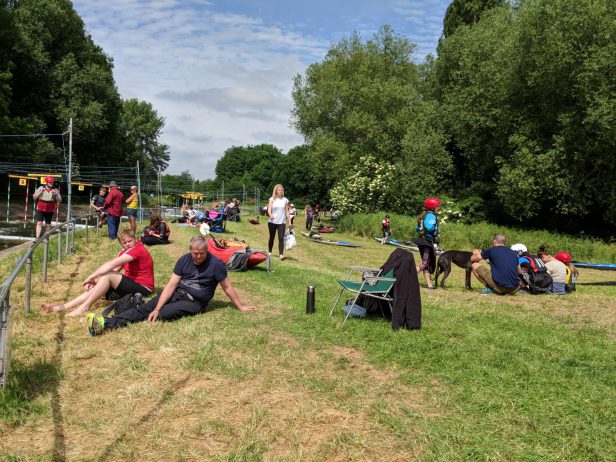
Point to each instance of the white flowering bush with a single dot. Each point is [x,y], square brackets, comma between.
[366,189]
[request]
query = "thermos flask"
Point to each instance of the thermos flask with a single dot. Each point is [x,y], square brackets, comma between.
[310,300]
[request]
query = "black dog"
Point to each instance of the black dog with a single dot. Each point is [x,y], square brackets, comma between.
[460,258]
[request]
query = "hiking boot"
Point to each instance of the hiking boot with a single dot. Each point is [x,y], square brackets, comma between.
[486,291]
[96,324]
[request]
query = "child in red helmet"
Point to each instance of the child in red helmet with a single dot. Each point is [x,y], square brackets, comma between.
[427,226]
[572,272]
[47,198]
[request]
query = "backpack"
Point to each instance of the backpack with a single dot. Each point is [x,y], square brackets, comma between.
[239,260]
[126,302]
[536,275]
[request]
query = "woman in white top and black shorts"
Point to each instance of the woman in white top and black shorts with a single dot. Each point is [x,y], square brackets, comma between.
[278,213]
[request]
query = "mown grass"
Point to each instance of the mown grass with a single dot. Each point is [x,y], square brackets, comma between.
[486,378]
[460,236]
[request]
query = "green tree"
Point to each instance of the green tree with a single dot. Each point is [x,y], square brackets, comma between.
[251,166]
[141,127]
[466,12]
[527,97]
[358,100]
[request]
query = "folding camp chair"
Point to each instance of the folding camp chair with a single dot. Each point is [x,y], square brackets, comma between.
[378,286]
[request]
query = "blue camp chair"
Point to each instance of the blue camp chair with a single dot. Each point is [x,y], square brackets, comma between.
[373,284]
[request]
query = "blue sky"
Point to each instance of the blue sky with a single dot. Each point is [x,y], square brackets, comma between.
[221,72]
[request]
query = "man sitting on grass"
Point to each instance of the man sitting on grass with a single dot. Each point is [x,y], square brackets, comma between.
[501,276]
[188,292]
[108,282]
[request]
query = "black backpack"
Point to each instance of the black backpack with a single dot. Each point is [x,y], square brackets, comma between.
[126,302]
[239,260]
[536,276]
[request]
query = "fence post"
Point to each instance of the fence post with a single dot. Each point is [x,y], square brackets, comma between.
[87,222]
[66,250]
[45,257]
[73,228]
[5,345]
[59,245]
[28,283]
[98,224]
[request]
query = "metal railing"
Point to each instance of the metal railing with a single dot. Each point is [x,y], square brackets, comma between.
[64,234]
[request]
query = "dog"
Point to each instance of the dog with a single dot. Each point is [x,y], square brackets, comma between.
[460,258]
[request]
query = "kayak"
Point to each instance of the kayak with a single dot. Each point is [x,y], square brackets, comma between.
[323,229]
[317,238]
[390,241]
[597,266]
[223,254]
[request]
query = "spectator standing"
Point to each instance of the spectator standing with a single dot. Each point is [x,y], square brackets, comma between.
[132,209]
[113,206]
[48,198]
[278,213]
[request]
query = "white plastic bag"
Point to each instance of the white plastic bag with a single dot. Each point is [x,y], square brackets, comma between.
[289,240]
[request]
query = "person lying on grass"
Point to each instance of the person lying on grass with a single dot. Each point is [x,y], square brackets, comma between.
[188,292]
[108,282]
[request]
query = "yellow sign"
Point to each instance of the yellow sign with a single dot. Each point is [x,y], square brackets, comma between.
[81,187]
[22,182]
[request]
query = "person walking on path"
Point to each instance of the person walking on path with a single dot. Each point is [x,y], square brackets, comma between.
[48,198]
[113,206]
[279,218]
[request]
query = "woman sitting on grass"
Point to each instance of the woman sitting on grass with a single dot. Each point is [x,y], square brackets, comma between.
[107,281]
[157,233]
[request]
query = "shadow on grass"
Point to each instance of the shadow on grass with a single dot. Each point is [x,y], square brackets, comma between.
[601,283]
[167,394]
[26,384]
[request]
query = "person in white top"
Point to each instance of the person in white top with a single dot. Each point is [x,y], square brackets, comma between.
[278,213]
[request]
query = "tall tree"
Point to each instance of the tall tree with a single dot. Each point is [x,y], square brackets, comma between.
[466,12]
[141,128]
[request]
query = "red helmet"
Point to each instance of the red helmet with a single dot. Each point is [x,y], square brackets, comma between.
[432,202]
[49,179]
[565,257]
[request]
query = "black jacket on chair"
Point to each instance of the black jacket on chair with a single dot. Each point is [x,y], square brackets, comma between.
[407,298]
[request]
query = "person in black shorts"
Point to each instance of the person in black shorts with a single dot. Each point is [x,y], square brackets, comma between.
[188,292]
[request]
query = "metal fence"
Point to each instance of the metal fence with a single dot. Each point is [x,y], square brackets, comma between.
[64,235]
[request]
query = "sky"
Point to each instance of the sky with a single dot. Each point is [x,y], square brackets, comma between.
[221,72]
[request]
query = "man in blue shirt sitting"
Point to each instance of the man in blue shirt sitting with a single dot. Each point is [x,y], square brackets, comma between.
[188,292]
[501,276]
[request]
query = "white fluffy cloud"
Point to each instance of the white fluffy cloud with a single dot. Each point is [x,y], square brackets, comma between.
[221,74]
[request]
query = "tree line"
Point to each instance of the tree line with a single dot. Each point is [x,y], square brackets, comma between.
[513,121]
[51,71]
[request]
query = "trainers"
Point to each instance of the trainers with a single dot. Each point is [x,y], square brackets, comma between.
[96,324]
[281,257]
[486,291]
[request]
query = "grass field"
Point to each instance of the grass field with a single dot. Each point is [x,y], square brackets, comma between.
[515,378]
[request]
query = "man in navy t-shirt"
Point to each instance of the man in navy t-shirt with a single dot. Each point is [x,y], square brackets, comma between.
[502,274]
[188,292]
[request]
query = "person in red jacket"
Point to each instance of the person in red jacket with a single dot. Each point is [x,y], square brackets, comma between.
[48,199]
[113,206]
[108,282]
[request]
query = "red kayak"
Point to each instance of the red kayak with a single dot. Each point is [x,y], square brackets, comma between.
[324,229]
[223,254]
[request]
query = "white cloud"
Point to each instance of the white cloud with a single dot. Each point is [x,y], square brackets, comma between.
[223,77]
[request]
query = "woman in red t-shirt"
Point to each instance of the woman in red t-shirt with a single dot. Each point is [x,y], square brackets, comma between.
[108,282]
